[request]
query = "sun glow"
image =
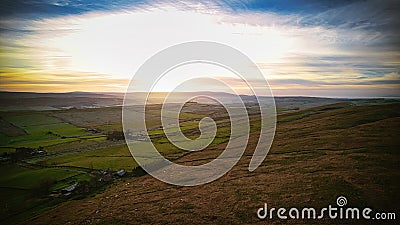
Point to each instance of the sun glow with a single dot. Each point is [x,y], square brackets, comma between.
[118,43]
[101,51]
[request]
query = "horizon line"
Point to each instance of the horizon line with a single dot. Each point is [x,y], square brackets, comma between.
[279,96]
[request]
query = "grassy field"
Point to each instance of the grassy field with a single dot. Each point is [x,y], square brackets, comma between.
[337,145]
[72,151]
[23,183]
[318,154]
[114,158]
[39,130]
[24,189]
[29,178]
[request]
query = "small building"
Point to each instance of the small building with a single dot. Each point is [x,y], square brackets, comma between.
[68,190]
[120,173]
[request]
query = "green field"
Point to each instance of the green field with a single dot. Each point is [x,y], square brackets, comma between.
[14,176]
[71,151]
[74,154]
[26,188]
[114,158]
[26,185]
[40,130]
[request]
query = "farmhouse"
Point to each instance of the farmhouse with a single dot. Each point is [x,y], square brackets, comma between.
[69,190]
[120,173]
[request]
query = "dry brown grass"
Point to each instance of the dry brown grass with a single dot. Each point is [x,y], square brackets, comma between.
[350,150]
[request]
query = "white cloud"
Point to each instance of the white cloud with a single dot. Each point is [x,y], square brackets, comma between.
[117,43]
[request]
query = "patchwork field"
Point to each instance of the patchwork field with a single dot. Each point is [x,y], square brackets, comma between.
[36,129]
[318,154]
[74,144]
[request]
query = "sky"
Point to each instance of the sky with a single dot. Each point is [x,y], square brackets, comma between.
[304,48]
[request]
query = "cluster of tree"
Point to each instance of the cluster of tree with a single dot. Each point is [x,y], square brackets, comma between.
[23,153]
[115,136]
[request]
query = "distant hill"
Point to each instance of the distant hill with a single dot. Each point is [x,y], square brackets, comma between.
[16,101]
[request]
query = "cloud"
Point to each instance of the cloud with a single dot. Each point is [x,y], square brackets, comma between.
[373,23]
[298,45]
[39,81]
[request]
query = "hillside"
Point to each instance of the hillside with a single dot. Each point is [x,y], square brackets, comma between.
[318,154]
[24,101]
